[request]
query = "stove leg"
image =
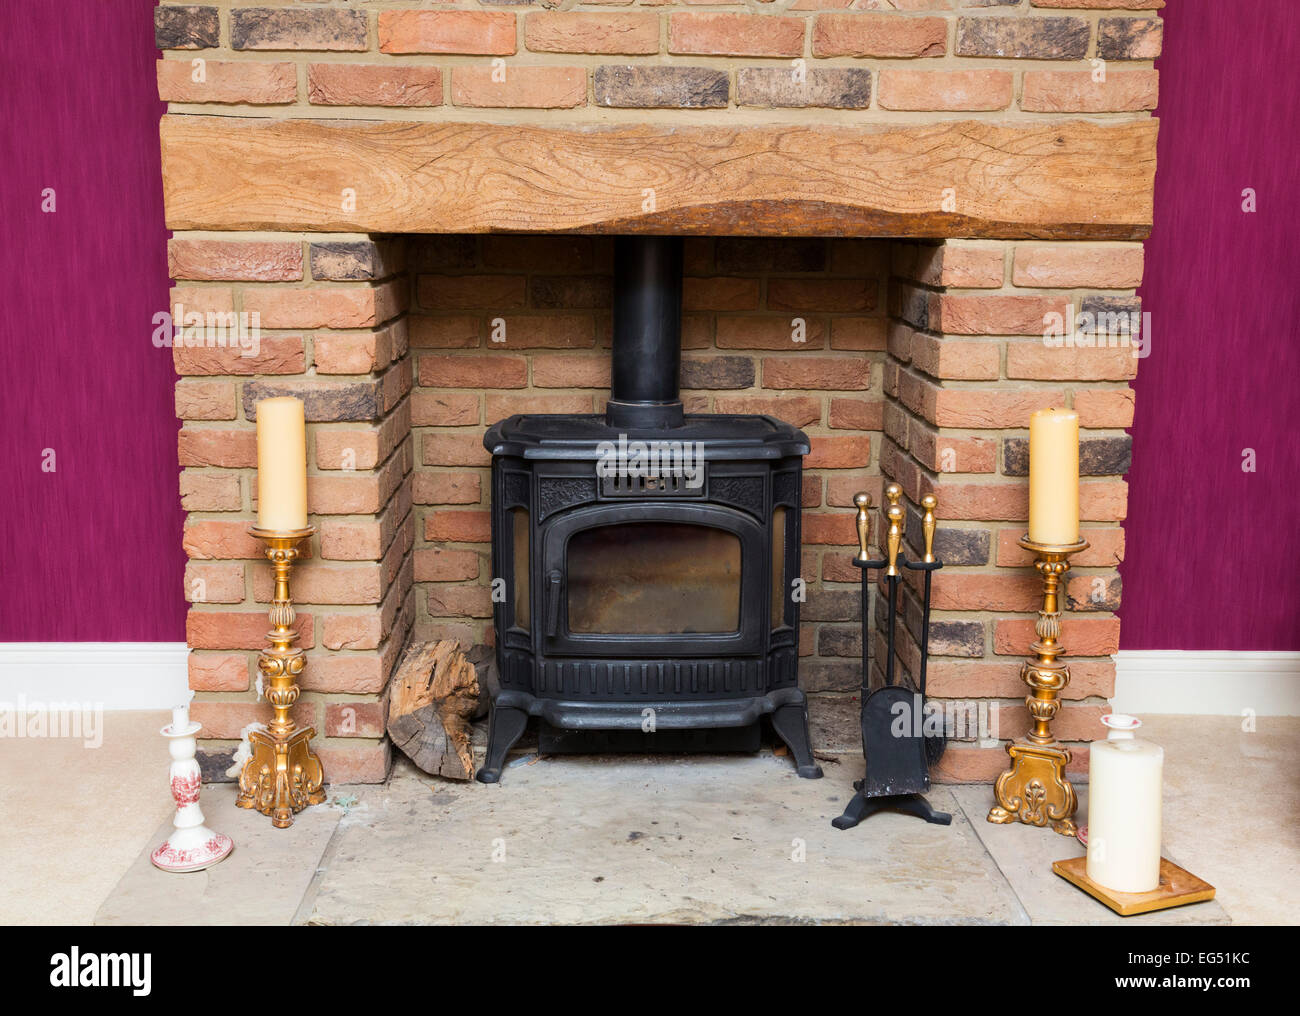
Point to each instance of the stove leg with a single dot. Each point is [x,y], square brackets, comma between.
[859,808]
[915,804]
[863,807]
[505,727]
[791,725]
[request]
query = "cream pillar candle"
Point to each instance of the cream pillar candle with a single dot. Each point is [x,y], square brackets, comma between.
[1054,476]
[281,464]
[1124,780]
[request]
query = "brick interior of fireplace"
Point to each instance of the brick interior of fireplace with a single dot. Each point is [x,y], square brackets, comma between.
[401,476]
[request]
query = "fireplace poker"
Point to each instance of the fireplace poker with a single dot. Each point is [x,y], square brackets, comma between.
[862,560]
[895,518]
[928,565]
[929,503]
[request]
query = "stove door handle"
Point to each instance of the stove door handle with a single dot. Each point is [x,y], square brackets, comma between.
[553,581]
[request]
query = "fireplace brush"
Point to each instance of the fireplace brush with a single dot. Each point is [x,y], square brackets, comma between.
[897,747]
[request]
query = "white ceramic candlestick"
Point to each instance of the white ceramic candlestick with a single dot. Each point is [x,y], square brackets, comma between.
[192,846]
[1124,781]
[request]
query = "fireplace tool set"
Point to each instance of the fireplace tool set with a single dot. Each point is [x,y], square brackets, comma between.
[897,736]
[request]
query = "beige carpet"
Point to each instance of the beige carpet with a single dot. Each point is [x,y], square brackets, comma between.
[76,816]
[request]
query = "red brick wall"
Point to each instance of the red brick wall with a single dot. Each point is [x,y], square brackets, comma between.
[920,362]
[978,56]
[333,332]
[967,366]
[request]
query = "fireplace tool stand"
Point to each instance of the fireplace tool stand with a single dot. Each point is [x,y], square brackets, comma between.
[897,746]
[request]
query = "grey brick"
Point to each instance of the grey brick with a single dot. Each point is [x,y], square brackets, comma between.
[718,372]
[1129,38]
[322,400]
[776,87]
[646,87]
[1023,37]
[277,28]
[1098,456]
[187,27]
[353,260]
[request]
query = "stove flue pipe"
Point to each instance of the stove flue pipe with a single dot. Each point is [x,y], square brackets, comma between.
[647,333]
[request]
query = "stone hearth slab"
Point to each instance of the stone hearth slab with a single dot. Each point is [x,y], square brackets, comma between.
[649,840]
[706,839]
[262,882]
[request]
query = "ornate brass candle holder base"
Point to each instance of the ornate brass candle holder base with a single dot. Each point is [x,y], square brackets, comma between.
[1034,790]
[284,775]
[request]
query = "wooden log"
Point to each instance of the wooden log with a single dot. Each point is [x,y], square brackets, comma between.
[433,699]
[968,178]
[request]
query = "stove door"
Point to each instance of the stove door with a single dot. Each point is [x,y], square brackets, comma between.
[653,580]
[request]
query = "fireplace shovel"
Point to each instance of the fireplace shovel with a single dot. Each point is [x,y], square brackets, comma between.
[898,748]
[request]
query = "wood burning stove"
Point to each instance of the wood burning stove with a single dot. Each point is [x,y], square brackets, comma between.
[646,559]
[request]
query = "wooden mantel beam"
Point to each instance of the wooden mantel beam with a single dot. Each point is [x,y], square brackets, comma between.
[1063,180]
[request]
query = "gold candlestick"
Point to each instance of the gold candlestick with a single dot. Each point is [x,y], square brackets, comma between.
[284,775]
[1034,790]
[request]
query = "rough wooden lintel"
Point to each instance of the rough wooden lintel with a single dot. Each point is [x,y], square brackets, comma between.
[1063,180]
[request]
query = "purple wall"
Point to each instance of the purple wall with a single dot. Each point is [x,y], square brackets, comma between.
[1212,550]
[92,551]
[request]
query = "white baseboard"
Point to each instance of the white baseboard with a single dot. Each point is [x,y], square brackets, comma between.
[110,675]
[1215,683]
[153,675]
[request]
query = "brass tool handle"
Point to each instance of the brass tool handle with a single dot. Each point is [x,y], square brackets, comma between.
[929,503]
[894,494]
[862,501]
[894,539]
[894,521]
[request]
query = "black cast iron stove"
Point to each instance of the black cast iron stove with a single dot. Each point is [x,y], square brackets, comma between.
[646,558]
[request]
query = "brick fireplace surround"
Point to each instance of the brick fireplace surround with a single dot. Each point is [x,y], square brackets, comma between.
[919,181]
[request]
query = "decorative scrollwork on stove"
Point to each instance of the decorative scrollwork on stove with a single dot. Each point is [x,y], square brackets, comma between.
[557,492]
[743,492]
